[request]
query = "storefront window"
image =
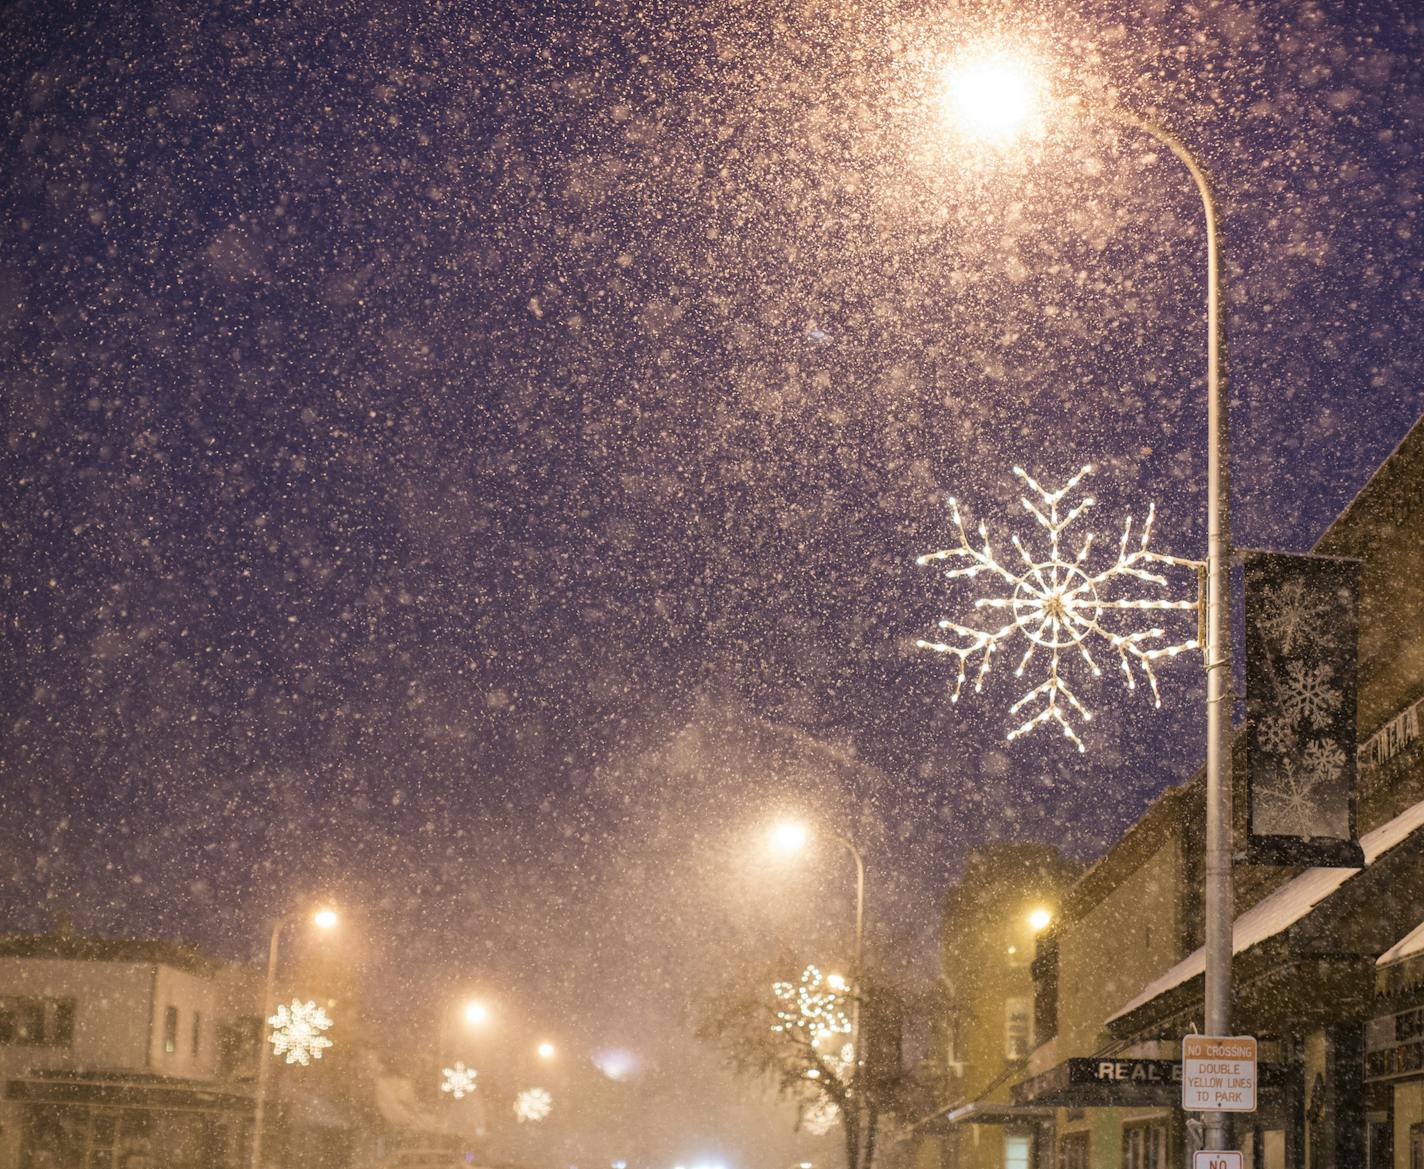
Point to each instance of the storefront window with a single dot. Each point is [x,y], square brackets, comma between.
[1144,1146]
[1073,1151]
[1018,1151]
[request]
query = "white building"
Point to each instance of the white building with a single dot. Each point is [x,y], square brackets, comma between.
[122,1054]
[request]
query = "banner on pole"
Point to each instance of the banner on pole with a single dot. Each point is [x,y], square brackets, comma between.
[1302,615]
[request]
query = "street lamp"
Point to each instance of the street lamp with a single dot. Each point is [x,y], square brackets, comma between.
[324,919]
[546,1050]
[476,1013]
[984,88]
[790,836]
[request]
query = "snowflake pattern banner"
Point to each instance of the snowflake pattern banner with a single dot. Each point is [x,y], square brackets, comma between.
[1302,614]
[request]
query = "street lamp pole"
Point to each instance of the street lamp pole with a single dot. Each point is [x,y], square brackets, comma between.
[992,95]
[859,950]
[324,918]
[269,994]
[1217,891]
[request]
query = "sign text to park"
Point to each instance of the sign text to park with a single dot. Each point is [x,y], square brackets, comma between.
[1219,1073]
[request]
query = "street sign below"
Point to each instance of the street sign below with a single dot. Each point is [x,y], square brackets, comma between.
[1219,1074]
[1216,1159]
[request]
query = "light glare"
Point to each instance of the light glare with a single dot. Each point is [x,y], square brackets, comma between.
[1039,919]
[324,919]
[992,96]
[789,836]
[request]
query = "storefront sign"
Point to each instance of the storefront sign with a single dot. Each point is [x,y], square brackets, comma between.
[1218,1073]
[1302,613]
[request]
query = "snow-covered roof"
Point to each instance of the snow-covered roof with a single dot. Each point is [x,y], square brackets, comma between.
[1411,944]
[1283,908]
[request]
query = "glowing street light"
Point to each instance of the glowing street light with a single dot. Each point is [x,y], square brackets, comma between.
[1038,919]
[476,1013]
[993,95]
[971,90]
[789,836]
[324,918]
[546,1050]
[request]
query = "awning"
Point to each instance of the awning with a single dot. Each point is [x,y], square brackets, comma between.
[1409,946]
[983,1112]
[399,1107]
[1110,1082]
[128,1090]
[1104,1083]
[1283,908]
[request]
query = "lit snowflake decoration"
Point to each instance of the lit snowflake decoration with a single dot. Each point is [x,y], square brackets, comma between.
[297,1032]
[533,1105]
[458,1081]
[814,1007]
[1060,606]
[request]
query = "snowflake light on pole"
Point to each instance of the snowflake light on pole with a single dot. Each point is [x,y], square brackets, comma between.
[297,1031]
[533,1105]
[1061,605]
[458,1081]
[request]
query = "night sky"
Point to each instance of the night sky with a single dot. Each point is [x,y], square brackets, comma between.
[416,416]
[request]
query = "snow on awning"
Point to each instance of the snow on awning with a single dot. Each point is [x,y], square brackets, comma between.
[1283,908]
[1407,947]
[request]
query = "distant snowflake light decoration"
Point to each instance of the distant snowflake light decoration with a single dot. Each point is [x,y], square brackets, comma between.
[812,1007]
[297,1031]
[458,1081]
[1060,605]
[533,1105]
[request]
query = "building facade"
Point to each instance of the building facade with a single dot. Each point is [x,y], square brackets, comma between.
[118,1054]
[1009,895]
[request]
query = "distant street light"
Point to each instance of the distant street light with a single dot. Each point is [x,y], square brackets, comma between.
[546,1050]
[791,836]
[987,100]
[324,918]
[476,1013]
[1039,918]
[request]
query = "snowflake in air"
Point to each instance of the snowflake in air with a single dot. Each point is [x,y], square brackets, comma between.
[533,1105]
[1060,606]
[1292,615]
[297,1031]
[1308,696]
[458,1081]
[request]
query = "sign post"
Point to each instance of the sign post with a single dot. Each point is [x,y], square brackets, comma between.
[1217,1159]
[1218,1075]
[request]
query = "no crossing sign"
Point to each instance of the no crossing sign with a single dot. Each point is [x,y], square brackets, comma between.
[1219,1073]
